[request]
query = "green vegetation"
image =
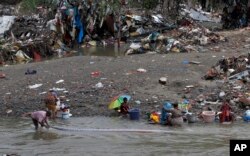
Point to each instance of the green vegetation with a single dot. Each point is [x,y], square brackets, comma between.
[30,5]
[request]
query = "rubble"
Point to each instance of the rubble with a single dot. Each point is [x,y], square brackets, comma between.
[233,74]
[57,33]
[200,15]
[7,10]
[184,38]
[5,23]
[233,68]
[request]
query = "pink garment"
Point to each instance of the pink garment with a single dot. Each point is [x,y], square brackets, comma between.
[40,116]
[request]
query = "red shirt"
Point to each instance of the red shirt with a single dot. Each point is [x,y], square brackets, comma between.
[124,108]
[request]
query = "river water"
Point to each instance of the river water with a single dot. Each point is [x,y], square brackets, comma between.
[19,137]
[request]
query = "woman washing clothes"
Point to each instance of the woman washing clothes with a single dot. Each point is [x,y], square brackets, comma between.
[176,118]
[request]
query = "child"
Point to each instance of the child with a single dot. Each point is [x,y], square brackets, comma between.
[124,106]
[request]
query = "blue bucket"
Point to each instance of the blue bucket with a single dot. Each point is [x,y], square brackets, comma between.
[134,114]
[246,118]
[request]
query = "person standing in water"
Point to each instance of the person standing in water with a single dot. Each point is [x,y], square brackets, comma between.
[40,117]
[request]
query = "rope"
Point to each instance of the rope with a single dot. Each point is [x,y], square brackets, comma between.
[109,130]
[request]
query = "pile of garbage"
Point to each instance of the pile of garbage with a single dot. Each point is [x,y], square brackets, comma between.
[231,68]
[87,24]
[232,78]
[9,10]
[182,39]
[26,28]
[200,15]
[25,41]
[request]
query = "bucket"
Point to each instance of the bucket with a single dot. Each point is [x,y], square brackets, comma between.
[65,115]
[246,118]
[208,116]
[134,114]
[191,118]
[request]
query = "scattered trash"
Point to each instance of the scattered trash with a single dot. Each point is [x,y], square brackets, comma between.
[95,74]
[58,89]
[8,111]
[42,93]
[5,23]
[190,86]
[163,80]
[35,86]
[30,72]
[141,70]
[237,87]
[99,85]
[223,68]
[185,62]
[194,62]
[239,75]
[200,15]
[22,57]
[59,81]
[2,75]
[222,94]
[135,46]
[138,102]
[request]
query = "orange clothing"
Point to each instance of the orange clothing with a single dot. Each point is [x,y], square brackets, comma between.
[225,109]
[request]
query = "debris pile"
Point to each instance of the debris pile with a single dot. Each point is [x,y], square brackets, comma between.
[87,24]
[231,68]
[7,10]
[232,79]
[182,39]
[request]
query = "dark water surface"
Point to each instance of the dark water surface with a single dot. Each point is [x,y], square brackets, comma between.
[19,137]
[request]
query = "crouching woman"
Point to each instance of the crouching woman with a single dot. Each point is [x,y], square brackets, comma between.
[176,118]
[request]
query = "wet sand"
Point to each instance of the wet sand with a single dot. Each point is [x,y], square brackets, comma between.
[118,76]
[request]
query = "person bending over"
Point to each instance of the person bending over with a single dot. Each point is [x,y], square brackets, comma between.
[40,117]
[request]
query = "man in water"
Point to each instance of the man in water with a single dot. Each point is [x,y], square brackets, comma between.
[40,117]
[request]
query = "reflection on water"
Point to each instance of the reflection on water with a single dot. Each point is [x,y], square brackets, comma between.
[196,139]
[43,135]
